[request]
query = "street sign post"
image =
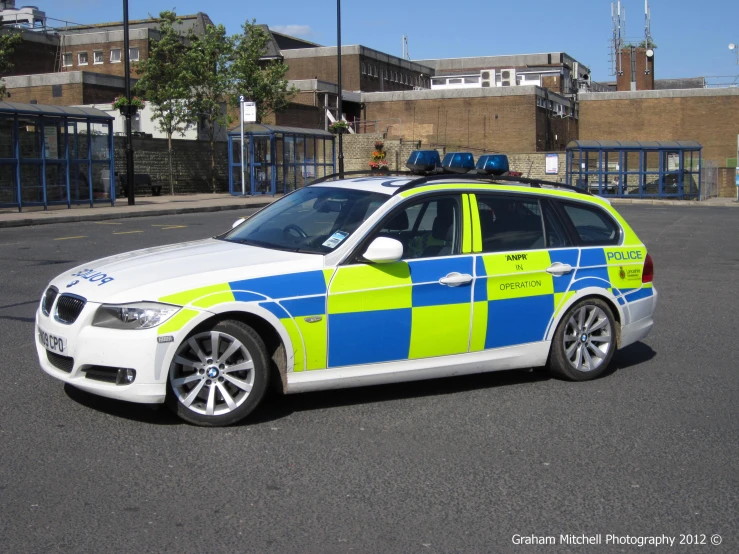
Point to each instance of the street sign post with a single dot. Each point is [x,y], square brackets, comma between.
[248,115]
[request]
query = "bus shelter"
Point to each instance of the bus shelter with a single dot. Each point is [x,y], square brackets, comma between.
[54,155]
[635,169]
[278,159]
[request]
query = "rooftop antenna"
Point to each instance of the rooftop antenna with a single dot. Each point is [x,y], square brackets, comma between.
[648,43]
[406,55]
[618,17]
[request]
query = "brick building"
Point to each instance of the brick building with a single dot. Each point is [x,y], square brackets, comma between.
[556,71]
[502,119]
[709,116]
[362,69]
[73,88]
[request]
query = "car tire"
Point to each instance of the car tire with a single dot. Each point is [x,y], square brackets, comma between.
[584,342]
[217,390]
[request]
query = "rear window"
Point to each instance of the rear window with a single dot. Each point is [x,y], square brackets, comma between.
[593,225]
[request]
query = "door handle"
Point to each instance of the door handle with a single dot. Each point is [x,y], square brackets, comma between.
[558,268]
[455,279]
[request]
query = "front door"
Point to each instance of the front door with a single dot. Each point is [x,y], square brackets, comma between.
[418,307]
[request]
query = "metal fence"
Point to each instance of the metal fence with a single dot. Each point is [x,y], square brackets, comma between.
[709,180]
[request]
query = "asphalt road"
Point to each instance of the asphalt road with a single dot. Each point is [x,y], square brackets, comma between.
[453,465]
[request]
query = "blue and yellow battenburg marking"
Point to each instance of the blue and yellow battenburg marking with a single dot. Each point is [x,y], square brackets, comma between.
[378,313]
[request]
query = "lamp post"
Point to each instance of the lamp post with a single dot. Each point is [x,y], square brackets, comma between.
[130,179]
[338,115]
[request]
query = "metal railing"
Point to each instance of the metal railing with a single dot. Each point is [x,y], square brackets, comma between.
[362,126]
[709,180]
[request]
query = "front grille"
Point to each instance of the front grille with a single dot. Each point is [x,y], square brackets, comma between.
[101,373]
[65,363]
[49,298]
[68,308]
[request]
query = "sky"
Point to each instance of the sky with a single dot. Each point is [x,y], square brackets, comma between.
[692,37]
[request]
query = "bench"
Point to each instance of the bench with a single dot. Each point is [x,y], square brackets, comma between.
[140,181]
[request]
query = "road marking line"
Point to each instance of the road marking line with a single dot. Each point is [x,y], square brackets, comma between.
[127,232]
[160,225]
[107,223]
[174,227]
[70,238]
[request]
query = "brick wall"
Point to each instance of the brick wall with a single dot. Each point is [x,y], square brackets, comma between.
[727,182]
[325,68]
[358,150]
[711,118]
[71,95]
[33,57]
[498,124]
[107,67]
[191,163]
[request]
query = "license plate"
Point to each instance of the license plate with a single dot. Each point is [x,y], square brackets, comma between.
[51,342]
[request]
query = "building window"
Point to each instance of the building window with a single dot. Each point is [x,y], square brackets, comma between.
[81,58]
[374,70]
[133,54]
[364,69]
[56,91]
[115,55]
[67,60]
[97,56]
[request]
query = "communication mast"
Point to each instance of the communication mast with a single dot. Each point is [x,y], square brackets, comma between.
[618,17]
[406,54]
[648,42]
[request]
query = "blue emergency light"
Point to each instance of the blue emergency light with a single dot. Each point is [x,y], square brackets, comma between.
[458,162]
[493,164]
[423,161]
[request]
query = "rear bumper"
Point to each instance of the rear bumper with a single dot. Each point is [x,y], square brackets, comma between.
[642,319]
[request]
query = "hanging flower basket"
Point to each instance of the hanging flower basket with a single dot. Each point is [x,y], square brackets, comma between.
[128,109]
[339,127]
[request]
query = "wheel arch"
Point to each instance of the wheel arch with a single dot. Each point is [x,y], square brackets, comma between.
[591,292]
[274,336]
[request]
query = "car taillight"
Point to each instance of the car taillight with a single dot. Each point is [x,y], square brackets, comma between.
[647,274]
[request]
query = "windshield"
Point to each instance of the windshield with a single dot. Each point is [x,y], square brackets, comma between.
[314,220]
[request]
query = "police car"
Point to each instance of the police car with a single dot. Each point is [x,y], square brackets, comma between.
[355,282]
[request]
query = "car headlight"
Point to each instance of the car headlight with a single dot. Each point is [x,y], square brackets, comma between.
[140,315]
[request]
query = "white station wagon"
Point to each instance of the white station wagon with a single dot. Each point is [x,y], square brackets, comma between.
[355,282]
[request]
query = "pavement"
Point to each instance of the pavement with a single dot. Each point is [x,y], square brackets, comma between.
[456,465]
[148,206]
[194,203]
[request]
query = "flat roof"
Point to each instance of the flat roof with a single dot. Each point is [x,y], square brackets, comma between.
[260,128]
[54,111]
[633,145]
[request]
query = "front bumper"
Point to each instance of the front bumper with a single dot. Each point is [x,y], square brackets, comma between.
[96,346]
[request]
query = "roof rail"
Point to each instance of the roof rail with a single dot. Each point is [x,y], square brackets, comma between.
[537,183]
[357,173]
[429,179]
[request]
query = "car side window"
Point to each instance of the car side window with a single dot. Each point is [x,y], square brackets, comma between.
[426,229]
[510,223]
[592,225]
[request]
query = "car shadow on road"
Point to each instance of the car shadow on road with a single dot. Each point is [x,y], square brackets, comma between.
[630,356]
[154,414]
[276,406]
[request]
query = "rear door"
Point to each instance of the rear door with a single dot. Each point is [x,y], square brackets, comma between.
[522,272]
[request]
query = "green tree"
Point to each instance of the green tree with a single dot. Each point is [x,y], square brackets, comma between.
[209,62]
[8,43]
[165,81]
[262,81]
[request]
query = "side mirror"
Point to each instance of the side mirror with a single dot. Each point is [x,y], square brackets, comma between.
[238,222]
[384,250]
